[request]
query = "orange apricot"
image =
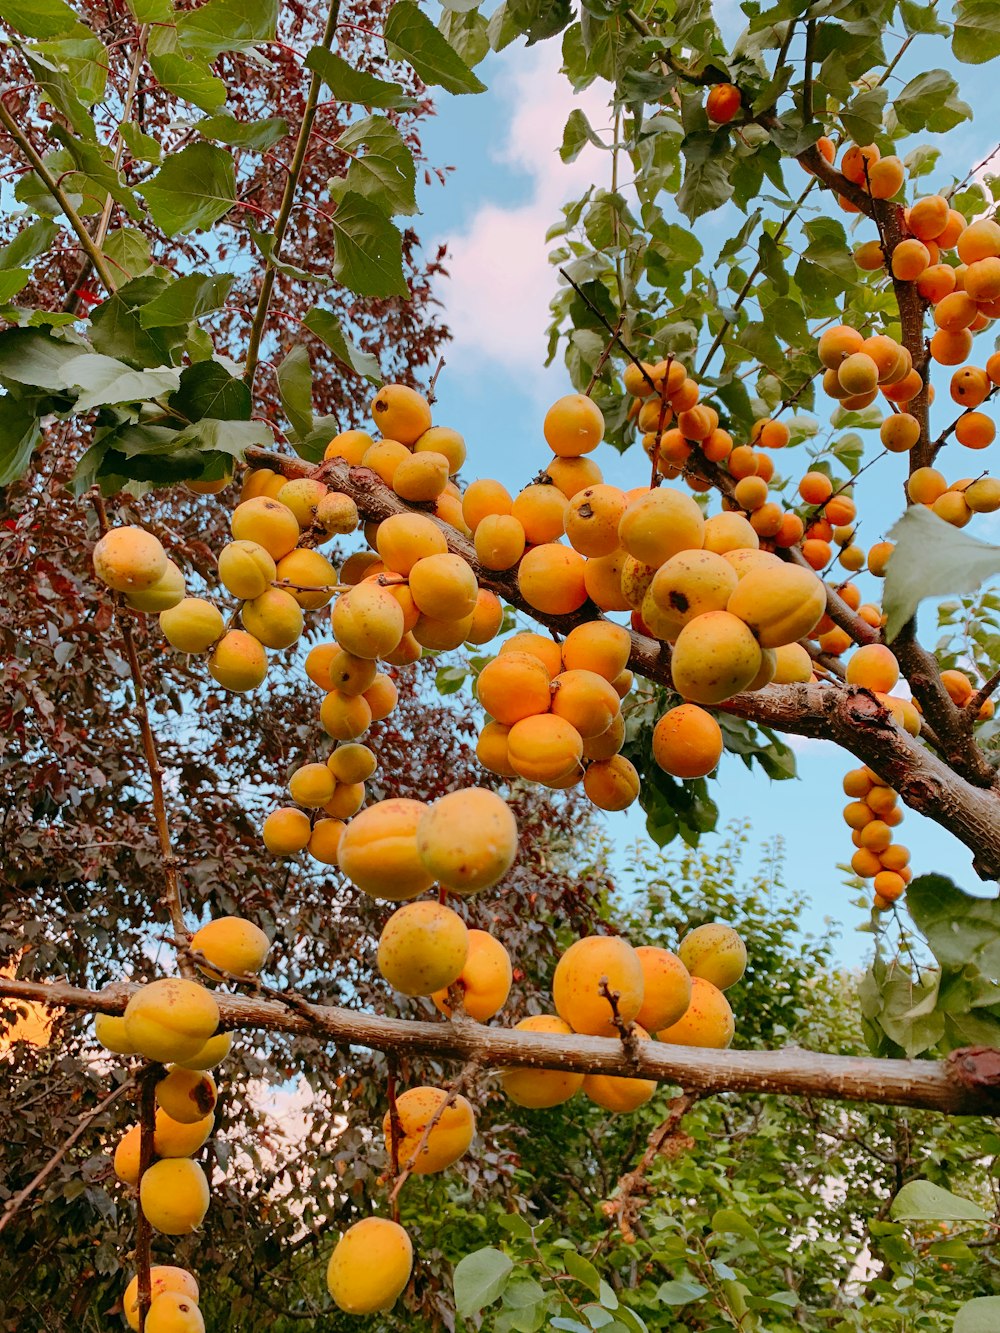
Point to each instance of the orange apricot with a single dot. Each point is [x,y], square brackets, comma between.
[544,748]
[573,425]
[597,646]
[687,742]
[550,578]
[513,686]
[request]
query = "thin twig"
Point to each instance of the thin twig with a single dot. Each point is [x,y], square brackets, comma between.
[981,695]
[454,1088]
[432,387]
[617,337]
[605,353]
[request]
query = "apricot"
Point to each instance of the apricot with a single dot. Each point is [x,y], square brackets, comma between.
[634,581]
[403,539]
[359,566]
[467,839]
[950,348]
[367,620]
[173,1312]
[324,841]
[482,498]
[401,413]
[487,618]
[302,496]
[381,696]
[261,481]
[708,1020]
[162,1278]
[274,619]
[792,665]
[238,662]
[170,1019]
[315,579]
[421,478]
[715,656]
[346,801]
[616,1094]
[592,519]
[858,373]
[246,569]
[167,591]
[370,1266]
[834,641]
[687,743]
[815,488]
[837,343]
[661,524]
[286,831]
[231,942]
[936,282]
[448,1140]
[586,700]
[378,851]
[192,625]
[874,667]
[541,1088]
[441,635]
[492,749]
[110,1032]
[345,717]
[983,496]
[953,509]
[979,240]
[129,559]
[448,508]
[576,984]
[909,259]
[446,442]
[599,646]
[550,578]
[723,103]
[330,667]
[608,743]
[689,584]
[515,685]
[349,445]
[384,458]
[336,513]
[885,178]
[602,578]
[899,432]
[612,784]
[211,1054]
[857,160]
[186,1095]
[667,988]
[541,511]
[925,485]
[779,605]
[499,541]
[444,587]
[484,981]
[729,532]
[573,425]
[268,523]
[715,953]
[173,1193]
[572,475]
[544,748]
[546,650]
[422,948]
[975,430]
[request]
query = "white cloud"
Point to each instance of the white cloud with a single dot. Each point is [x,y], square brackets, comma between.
[496,301]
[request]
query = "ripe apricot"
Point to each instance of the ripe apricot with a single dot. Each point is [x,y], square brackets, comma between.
[441,635]
[444,587]
[544,748]
[586,700]
[856,159]
[955,313]
[345,717]
[576,984]
[714,952]
[336,513]
[261,481]
[468,840]
[340,670]
[838,343]
[110,1032]
[378,851]
[792,665]
[420,478]
[274,618]
[370,1266]
[483,497]
[548,652]
[162,1278]
[899,432]
[571,475]
[666,988]
[302,496]
[359,566]
[403,539]
[448,508]
[550,578]
[484,981]
[909,260]
[324,841]
[446,442]
[857,815]
[186,1095]
[129,559]
[925,485]
[779,605]
[815,488]
[173,1193]
[422,948]
[499,541]
[513,686]
[874,667]
[347,800]
[928,217]
[174,1312]
[950,348]
[166,592]
[487,618]
[936,282]
[858,373]
[597,646]
[723,103]
[492,749]
[659,525]
[286,831]
[635,580]
[602,579]
[618,1094]
[959,687]
[541,511]
[729,532]
[715,656]
[979,240]
[970,386]
[449,1138]
[611,784]
[401,413]
[246,569]
[707,1022]
[952,508]
[231,942]
[538,1088]
[170,1019]
[573,425]
[983,496]
[592,519]
[267,522]
[885,178]
[349,445]
[975,430]
[193,625]
[869,256]
[367,620]
[687,743]
[608,743]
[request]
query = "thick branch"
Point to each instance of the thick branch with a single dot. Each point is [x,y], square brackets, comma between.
[967,1083]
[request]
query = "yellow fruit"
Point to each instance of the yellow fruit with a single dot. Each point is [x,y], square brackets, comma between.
[792,665]
[499,541]
[384,459]
[232,943]
[368,621]
[352,763]
[192,625]
[541,511]
[381,696]
[246,569]
[162,1277]
[577,982]
[420,478]
[401,413]
[186,1095]
[729,532]
[174,1312]
[611,784]
[586,700]
[423,948]
[126,1158]
[273,619]
[572,475]
[174,1196]
[544,748]
[370,1266]
[324,841]
[441,635]
[173,1138]
[447,1141]
[378,852]
[573,425]
[548,652]
[599,646]
[211,1054]
[602,579]
[538,1088]
[620,1094]
[666,988]
[312,576]
[468,839]
[167,591]
[286,831]
[744,559]
[311,785]
[687,743]
[515,685]
[345,717]
[779,605]
[302,496]
[492,749]
[443,440]
[608,744]
[129,559]
[238,662]
[350,445]
[336,513]
[330,667]
[482,498]
[171,1019]
[404,539]
[261,481]
[635,581]
[874,667]
[346,801]
[486,619]
[708,1020]
[551,580]
[660,524]
[715,953]
[444,587]
[592,519]
[110,1032]
[715,656]
[484,981]
[267,522]
[688,585]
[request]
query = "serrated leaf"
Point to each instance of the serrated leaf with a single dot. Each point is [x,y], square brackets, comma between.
[192,189]
[102,379]
[929,102]
[188,78]
[976,33]
[229,437]
[479,1279]
[32,358]
[385,173]
[39,18]
[82,60]
[411,36]
[931,559]
[326,327]
[187,298]
[368,257]
[127,250]
[227,25]
[295,387]
[577,133]
[30,242]
[94,166]
[264,241]
[923,1201]
[862,117]
[348,84]
[961,930]
[258,135]
[20,432]
[141,147]
[208,390]
[116,329]
[467,32]
[152,11]
[708,181]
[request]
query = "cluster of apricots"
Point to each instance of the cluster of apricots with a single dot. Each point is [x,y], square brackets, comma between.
[173,1023]
[871,814]
[601,986]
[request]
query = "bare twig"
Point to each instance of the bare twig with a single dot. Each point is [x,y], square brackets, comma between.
[625,1204]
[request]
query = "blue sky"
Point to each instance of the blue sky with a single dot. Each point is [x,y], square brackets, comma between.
[505,190]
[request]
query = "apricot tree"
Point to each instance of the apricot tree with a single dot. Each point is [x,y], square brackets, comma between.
[737,631]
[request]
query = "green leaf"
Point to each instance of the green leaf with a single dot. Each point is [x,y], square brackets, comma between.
[923,1201]
[929,102]
[583,1271]
[264,241]
[680,1293]
[229,437]
[82,61]
[227,25]
[295,387]
[479,1279]
[192,189]
[30,242]
[39,18]
[190,79]
[208,390]
[369,250]
[102,379]
[258,135]
[980,1315]
[467,32]
[577,133]
[12,281]
[152,11]
[862,117]
[976,34]
[521,1291]
[32,358]
[188,298]
[142,147]
[386,173]
[20,432]
[931,559]
[116,327]
[411,36]
[708,182]
[348,84]
[922,19]
[95,167]
[128,252]
[963,931]
[326,327]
